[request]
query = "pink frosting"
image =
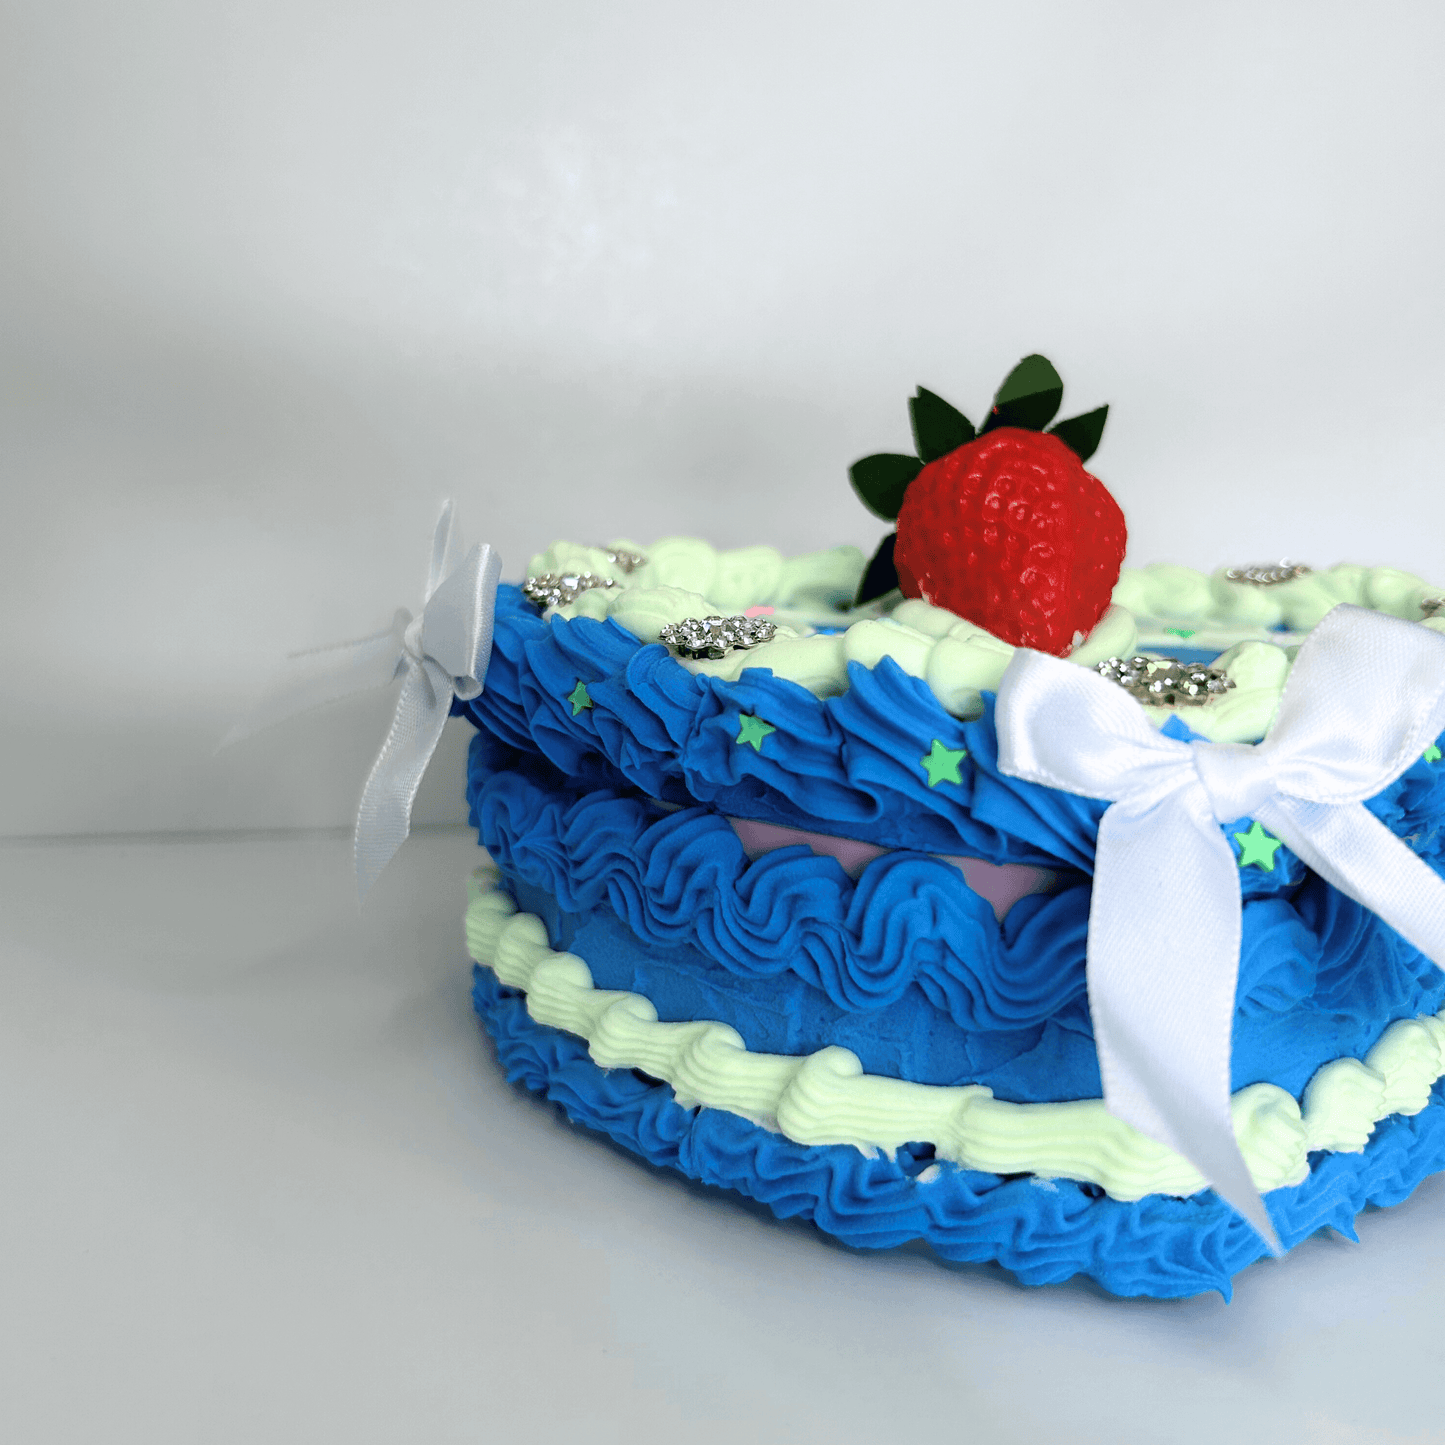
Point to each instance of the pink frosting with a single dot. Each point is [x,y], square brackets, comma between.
[1001,884]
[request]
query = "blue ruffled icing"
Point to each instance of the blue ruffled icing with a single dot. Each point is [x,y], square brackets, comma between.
[847,765]
[844,764]
[684,878]
[1044,1232]
[906,967]
[1358,976]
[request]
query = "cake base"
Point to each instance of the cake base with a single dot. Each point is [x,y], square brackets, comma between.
[1043,1231]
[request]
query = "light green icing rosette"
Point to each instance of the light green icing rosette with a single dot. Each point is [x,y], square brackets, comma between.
[1215,610]
[827,1098]
[814,589]
[1156,610]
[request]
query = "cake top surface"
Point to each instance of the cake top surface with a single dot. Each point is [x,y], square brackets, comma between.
[1248,630]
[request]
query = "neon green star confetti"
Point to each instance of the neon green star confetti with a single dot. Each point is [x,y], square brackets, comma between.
[1185,632]
[1432,754]
[942,764]
[1257,846]
[579,698]
[753,730]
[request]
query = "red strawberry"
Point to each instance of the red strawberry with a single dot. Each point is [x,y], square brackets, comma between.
[1010,532]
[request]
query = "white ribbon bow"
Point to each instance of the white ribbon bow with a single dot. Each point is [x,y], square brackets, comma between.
[1364,699]
[440,655]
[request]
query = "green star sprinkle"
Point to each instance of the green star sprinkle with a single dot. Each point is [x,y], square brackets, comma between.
[1257,846]
[1432,754]
[1180,631]
[942,764]
[753,730]
[579,698]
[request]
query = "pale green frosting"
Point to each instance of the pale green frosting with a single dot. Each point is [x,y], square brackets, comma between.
[1155,609]
[826,1098]
[1180,594]
[818,585]
[1258,670]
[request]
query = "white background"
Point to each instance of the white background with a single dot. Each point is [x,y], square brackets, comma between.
[275,278]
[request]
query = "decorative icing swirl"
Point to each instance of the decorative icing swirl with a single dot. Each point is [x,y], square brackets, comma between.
[815,585]
[826,1098]
[684,877]
[1165,593]
[1229,618]
[846,764]
[906,928]
[1045,1231]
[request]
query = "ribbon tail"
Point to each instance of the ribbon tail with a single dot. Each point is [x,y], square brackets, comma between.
[1349,847]
[383,820]
[1162,1001]
[317,678]
[445,542]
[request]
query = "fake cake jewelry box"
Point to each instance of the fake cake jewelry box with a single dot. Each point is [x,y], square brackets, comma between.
[1080,919]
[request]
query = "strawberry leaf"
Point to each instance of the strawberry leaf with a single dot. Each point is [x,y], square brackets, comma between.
[1082,433]
[880,481]
[880,575]
[938,428]
[1029,397]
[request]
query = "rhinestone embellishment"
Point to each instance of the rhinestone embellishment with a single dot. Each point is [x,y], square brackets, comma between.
[1268,574]
[1432,606]
[557,589]
[715,637]
[621,558]
[1165,681]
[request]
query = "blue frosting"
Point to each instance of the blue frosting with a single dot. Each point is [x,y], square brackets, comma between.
[1045,1232]
[684,878]
[1356,976]
[906,966]
[847,765]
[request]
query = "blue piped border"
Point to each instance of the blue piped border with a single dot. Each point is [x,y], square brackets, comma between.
[1043,1232]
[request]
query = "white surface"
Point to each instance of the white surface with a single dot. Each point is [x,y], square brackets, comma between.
[266,1182]
[277,277]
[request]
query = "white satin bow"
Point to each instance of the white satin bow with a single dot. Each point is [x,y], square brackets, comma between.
[439,655]
[1364,699]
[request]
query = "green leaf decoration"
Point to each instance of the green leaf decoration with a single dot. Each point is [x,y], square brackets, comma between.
[1082,433]
[881,480]
[1029,397]
[938,428]
[880,575]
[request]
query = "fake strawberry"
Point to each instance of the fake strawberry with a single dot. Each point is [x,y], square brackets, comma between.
[1003,526]
[1012,533]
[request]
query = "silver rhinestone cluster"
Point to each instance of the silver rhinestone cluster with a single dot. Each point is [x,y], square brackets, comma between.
[557,589]
[620,557]
[1165,681]
[1268,574]
[715,636]
[1432,606]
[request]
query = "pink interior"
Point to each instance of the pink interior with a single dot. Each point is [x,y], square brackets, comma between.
[1002,884]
